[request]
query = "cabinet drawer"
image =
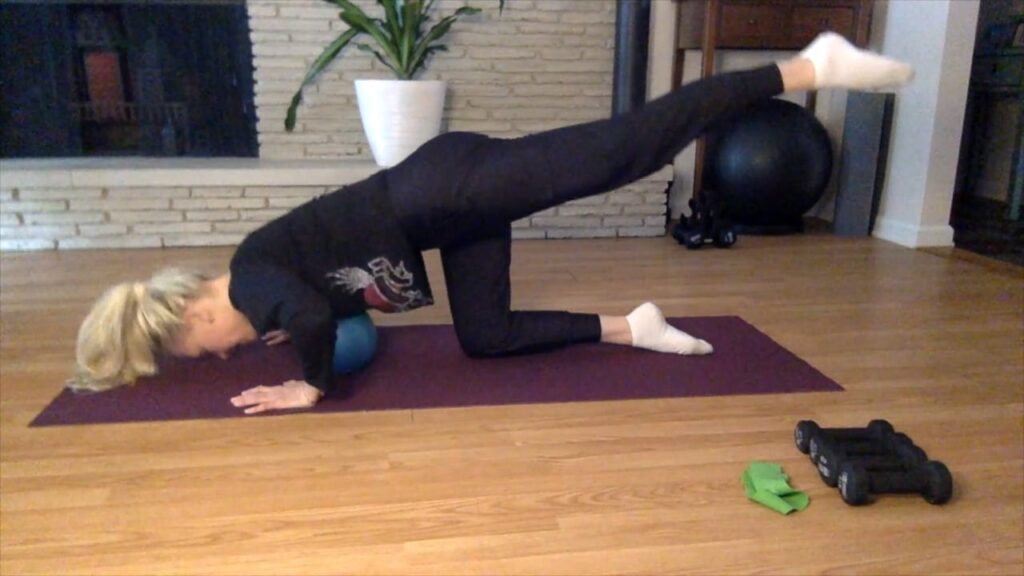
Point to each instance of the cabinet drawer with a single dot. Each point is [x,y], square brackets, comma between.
[993,71]
[809,21]
[750,25]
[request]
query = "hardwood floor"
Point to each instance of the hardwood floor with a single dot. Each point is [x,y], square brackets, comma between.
[931,340]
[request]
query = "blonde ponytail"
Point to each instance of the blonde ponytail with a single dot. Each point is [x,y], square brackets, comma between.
[119,339]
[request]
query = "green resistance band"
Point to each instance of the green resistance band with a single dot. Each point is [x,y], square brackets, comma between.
[767,484]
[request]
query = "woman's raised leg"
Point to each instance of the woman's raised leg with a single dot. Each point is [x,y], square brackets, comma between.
[510,179]
[466,185]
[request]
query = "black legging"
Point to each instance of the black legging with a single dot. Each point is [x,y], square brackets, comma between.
[460,192]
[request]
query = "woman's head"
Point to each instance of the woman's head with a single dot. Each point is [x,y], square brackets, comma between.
[126,328]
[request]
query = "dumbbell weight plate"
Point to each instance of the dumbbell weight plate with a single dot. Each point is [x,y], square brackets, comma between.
[854,485]
[881,428]
[725,237]
[693,240]
[940,483]
[814,448]
[802,435]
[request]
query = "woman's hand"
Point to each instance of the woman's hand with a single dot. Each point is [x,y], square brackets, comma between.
[291,394]
[275,337]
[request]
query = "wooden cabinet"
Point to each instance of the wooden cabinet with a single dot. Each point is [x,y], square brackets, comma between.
[787,25]
[808,21]
[749,25]
[766,25]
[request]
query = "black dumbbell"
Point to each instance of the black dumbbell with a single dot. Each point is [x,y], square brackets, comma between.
[931,479]
[894,452]
[885,445]
[892,444]
[806,429]
[898,454]
[724,236]
[693,239]
[820,442]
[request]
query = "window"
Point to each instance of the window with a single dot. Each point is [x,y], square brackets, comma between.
[126,78]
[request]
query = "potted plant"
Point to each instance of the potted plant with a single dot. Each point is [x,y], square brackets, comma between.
[398,115]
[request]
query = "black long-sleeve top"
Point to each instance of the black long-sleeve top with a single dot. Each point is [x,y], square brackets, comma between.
[335,256]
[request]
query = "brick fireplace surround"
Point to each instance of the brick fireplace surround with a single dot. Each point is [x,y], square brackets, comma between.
[540,65]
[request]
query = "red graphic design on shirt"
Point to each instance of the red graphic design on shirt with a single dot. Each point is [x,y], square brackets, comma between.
[385,286]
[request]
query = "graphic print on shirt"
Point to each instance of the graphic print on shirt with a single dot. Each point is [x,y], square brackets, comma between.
[384,287]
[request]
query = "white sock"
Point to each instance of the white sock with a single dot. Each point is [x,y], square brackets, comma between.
[839,64]
[651,331]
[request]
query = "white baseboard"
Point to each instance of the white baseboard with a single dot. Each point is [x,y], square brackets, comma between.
[913,236]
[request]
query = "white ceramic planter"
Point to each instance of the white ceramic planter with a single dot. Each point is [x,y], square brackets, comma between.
[399,116]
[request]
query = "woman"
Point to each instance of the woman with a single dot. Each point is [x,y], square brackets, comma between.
[359,247]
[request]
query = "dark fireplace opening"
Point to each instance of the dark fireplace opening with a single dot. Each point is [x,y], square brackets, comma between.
[129,78]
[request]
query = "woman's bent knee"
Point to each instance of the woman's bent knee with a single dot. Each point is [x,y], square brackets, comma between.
[480,343]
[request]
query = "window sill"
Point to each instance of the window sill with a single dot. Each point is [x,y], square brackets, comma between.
[183,172]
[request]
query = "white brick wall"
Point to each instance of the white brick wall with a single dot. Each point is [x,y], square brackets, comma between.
[65,216]
[73,218]
[540,65]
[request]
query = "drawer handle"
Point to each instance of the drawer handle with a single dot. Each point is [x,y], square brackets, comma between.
[752,22]
[824,22]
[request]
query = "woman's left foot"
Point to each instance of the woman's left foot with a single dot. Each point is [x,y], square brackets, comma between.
[651,331]
[839,64]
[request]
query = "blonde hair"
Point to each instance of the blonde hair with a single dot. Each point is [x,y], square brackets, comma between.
[131,322]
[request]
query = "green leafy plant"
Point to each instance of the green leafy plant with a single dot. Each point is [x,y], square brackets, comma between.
[401,42]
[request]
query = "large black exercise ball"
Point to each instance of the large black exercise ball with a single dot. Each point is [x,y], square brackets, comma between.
[770,164]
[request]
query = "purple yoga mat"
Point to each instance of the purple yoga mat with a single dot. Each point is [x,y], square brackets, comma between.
[423,367]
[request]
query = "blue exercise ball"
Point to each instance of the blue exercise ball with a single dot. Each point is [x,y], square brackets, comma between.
[770,164]
[355,344]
